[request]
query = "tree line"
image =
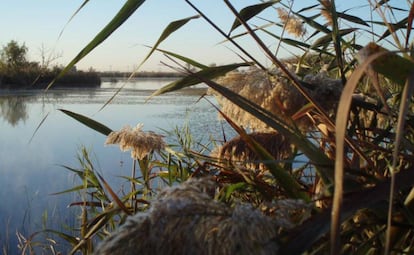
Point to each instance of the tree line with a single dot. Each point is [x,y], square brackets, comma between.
[16,71]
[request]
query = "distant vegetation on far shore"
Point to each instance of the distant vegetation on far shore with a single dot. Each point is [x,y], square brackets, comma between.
[17,72]
[142,74]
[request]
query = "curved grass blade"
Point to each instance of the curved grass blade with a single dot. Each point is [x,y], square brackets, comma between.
[340,129]
[124,13]
[400,67]
[38,126]
[88,122]
[404,106]
[114,196]
[324,40]
[207,73]
[171,28]
[311,21]
[73,15]
[249,12]
[352,18]
[70,239]
[185,59]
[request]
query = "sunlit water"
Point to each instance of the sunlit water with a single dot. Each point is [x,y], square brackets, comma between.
[31,161]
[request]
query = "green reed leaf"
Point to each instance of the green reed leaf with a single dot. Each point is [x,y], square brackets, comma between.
[352,18]
[326,39]
[171,28]
[114,195]
[185,59]
[124,13]
[311,21]
[250,11]
[70,239]
[88,122]
[190,80]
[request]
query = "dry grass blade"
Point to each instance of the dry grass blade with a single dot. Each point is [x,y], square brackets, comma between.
[409,25]
[404,106]
[340,129]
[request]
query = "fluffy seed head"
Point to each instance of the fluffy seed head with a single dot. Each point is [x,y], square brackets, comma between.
[139,142]
[293,25]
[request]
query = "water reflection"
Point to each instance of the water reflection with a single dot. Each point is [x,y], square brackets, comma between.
[13,109]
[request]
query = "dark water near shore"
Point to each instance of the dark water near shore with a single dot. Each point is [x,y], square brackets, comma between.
[31,166]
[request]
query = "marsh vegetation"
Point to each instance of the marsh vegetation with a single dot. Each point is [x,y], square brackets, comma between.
[326,133]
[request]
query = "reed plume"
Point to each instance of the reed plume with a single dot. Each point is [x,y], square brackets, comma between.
[185,219]
[139,142]
[292,25]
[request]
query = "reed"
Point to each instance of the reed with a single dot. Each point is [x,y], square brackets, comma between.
[340,113]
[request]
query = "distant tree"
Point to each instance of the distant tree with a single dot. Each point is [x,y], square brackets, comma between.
[47,56]
[14,55]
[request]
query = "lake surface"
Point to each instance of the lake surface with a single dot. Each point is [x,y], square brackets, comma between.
[31,162]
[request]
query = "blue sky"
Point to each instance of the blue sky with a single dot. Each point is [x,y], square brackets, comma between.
[39,23]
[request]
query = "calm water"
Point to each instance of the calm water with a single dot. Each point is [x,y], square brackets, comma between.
[31,170]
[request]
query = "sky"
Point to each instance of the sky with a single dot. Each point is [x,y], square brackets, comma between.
[38,24]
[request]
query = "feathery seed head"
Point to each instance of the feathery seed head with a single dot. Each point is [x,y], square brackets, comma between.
[139,142]
[293,25]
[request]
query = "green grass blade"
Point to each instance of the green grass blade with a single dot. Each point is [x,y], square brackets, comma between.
[311,22]
[326,39]
[124,13]
[182,58]
[171,28]
[352,18]
[251,11]
[70,239]
[88,122]
[114,196]
[190,80]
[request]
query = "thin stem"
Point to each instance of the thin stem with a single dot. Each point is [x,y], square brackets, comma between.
[225,35]
[133,188]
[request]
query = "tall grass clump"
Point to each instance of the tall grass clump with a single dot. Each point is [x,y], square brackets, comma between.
[327,130]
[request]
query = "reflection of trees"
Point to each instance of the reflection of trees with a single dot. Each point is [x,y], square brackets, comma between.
[13,109]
